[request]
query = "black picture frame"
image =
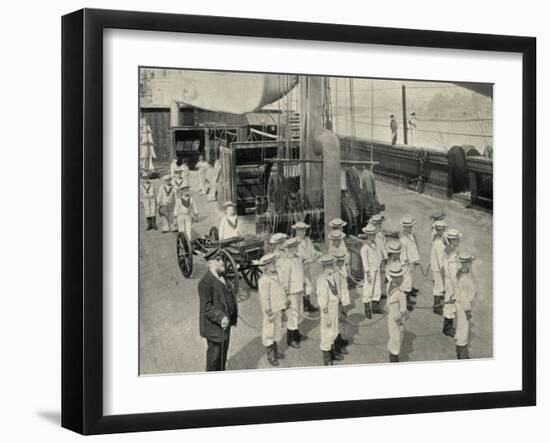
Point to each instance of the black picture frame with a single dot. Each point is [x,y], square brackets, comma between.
[82,220]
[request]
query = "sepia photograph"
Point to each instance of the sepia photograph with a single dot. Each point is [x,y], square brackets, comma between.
[292,220]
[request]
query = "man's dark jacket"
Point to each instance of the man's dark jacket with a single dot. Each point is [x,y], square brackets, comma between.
[216,302]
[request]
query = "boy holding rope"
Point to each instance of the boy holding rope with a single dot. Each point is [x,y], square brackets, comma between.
[340,343]
[273,302]
[466,291]
[450,268]
[439,242]
[308,254]
[397,306]
[292,280]
[328,297]
[409,257]
[377,220]
[371,258]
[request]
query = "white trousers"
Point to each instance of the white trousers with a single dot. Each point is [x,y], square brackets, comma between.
[462,325]
[295,311]
[396,333]
[372,291]
[185,223]
[408,277]
[149,208]
[439,284]
[273,328]
[329,333]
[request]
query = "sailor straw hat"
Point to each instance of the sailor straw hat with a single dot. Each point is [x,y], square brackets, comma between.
[394,269]
[228,204]
[336,235]
[277,238]
[266,259]
[408,221]
[300,225]
[337,223]
[439,224]
[166,178]
[453,233]
[377,219]
[393,247]
[327,260]
[291,242]
[370,229]
[465,257]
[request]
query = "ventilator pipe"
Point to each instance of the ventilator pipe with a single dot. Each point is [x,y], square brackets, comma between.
[327,143]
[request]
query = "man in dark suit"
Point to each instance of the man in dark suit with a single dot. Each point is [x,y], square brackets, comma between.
[218,312]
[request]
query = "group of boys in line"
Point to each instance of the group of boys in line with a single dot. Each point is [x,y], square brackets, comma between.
[286,285]
[173,201]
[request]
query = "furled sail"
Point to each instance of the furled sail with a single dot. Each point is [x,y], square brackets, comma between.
[232,92]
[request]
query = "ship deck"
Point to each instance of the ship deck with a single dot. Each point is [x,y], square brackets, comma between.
[169,328]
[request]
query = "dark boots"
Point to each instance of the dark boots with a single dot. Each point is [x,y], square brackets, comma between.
[410,301]
[462,352]
[335,355]
[278,355]
[327,360]
[291,339]
[448,327]
[368,310]
[340,345]
[271,355]
[149,223]
[308,306]
[438,307]
[299,336]
[154,223]
[394,358]
[376,308]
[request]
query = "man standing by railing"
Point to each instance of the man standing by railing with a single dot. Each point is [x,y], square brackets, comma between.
[393,126]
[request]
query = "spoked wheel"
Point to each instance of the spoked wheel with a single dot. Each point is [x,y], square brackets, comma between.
[251,275]
[231,276]
[184,253]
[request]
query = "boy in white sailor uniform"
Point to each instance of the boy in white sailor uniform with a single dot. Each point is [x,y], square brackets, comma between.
[397,310]
[203,167]
[292,279]
[465,293]
[308,254]
[336,244]
[371,259]
[436,217]
[409,257]
[179,181]
[273,302]
[166,198]
[328,297]
[437,257]
[450,269]
[277,243]
[393,251]
[185,211]
[229,225]
[340,343]
[377,220]
[149,203]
